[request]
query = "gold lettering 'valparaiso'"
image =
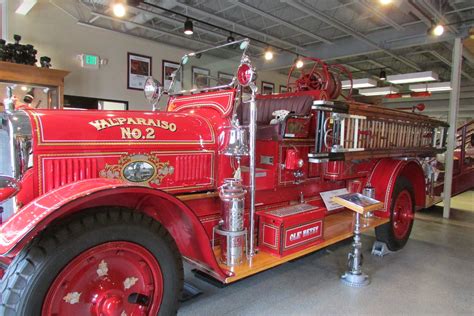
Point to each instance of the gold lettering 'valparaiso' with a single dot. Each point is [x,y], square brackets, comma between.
[119,121]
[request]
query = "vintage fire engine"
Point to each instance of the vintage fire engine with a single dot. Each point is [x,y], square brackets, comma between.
[99,208]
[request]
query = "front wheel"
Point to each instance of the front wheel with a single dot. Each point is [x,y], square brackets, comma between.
[113,262]
[395,233]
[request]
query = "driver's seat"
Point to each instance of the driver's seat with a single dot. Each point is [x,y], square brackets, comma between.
[266,105]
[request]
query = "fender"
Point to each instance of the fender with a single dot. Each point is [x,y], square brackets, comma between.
[386,172]
[180,221]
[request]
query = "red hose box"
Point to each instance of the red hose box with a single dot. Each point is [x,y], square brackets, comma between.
[290,229]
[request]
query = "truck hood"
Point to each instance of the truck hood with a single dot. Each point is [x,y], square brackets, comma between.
[98,128]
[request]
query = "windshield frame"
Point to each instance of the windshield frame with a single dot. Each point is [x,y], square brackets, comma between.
[231,84]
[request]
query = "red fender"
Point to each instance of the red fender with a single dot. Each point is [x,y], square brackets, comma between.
[386,172]
[174,215]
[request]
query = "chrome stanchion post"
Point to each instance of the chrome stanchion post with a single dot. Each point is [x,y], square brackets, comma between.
[253,133]
[354,276]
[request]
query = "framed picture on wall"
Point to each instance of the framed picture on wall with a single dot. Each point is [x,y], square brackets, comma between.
[283,89]
[267,87]
[139,68]
[224,78]
[169,68]
[200,77]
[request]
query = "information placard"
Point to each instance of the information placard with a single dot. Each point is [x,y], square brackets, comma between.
[327,198]
[358,202]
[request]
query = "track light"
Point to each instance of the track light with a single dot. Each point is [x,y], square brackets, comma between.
[119,9]
[188,27]
[230,39]
[268,54]
[383,75]
[385,2]
[437,30]
[299,62]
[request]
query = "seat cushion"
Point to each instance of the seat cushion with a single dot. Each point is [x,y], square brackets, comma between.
[299,105]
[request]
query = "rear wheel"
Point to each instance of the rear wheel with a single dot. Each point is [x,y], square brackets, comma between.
[114,262]
[396,232]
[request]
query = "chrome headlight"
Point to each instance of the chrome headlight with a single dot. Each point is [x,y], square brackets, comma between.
[153,91]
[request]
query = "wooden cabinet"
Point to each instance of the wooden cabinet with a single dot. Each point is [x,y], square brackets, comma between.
[47,83]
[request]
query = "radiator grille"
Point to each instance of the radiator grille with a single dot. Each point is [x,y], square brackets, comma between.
[59,172]
[193,168]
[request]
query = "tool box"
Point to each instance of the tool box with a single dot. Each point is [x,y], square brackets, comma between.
[291,228]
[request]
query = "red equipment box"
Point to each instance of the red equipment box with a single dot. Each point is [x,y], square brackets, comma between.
[291,228]
[264,178]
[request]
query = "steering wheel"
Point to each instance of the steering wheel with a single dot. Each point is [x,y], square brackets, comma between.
[314,79]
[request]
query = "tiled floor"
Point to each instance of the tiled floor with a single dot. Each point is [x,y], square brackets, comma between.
[433,274]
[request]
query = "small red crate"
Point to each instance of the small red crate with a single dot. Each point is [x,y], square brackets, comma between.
[290,229]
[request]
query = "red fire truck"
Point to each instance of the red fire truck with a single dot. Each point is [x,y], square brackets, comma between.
[100,208]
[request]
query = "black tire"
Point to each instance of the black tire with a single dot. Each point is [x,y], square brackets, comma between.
[28,278]
[385,233]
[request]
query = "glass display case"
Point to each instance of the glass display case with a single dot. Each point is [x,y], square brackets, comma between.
[34,86]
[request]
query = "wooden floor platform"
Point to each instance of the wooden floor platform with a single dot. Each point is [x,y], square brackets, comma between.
[337,227]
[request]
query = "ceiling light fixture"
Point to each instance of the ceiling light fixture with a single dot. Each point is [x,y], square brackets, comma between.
[437,30]
[423,94]
[188,27]
[268,54]
[393,96]
[299,62]
[385,2]
[378,91]
[359,83]
[413,77]
[383,75]
[118,7]
[230,39]
[431,87]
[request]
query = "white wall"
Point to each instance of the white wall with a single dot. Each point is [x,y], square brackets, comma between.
[57,35]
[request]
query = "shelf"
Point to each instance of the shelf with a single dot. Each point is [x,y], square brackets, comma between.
[26,74]
[337,227]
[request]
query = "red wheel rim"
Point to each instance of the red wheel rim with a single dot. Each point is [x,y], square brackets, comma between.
[104,280]
[402,214]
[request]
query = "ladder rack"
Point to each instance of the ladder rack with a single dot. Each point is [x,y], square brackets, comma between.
[350,130]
